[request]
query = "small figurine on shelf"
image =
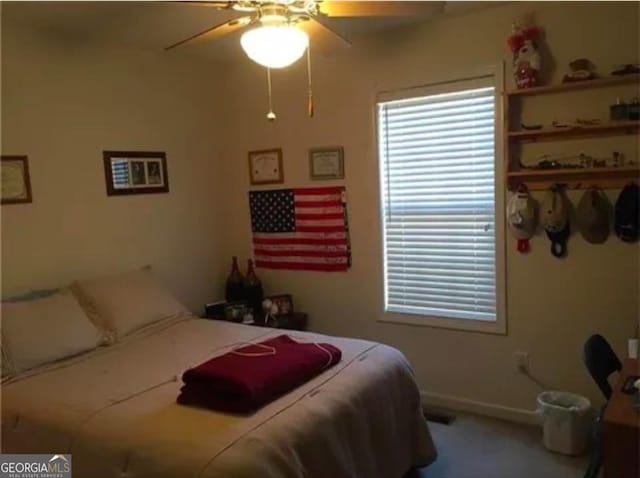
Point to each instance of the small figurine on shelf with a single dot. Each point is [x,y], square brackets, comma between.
[619,111]
[617,160]
[526,56]
[581,70]
[633,112]
[628,69]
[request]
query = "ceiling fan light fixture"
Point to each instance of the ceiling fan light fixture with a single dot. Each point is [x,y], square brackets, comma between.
[276,19]
[244,7]
[275,46]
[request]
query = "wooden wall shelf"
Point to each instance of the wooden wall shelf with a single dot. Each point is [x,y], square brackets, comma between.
[575,178]
[602,129]
[537,179]
[578,85]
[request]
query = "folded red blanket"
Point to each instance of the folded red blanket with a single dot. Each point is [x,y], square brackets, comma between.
[249,377]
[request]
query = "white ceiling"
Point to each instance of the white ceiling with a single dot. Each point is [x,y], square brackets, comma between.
[155,25]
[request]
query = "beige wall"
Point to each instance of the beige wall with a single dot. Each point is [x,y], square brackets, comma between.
[64,101]
[553,305]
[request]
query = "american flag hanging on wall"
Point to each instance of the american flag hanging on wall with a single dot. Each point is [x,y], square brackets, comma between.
[300,229]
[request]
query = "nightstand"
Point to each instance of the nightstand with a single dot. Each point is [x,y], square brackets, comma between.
[295,321]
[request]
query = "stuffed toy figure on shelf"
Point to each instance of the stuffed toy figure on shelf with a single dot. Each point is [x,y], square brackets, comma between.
[523,42]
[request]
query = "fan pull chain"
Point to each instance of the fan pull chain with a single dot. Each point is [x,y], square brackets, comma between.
[271,116]
[310,101]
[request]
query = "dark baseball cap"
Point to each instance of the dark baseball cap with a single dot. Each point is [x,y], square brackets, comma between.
[627,213]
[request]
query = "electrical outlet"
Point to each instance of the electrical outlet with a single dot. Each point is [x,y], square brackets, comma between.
[521,361]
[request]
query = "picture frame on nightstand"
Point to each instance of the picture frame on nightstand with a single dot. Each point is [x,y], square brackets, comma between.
[283,304]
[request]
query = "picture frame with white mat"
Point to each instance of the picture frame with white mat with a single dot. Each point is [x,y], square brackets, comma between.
[15,179]
[265,167]
[326,163]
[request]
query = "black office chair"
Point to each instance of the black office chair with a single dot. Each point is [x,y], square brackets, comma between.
[601,361]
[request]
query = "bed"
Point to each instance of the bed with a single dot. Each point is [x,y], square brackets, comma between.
[114,410]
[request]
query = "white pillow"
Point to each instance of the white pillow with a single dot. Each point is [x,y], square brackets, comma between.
[39,331]
[122,303]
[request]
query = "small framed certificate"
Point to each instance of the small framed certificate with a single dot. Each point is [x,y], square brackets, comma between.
[16,184]
[327,163]
[265,167]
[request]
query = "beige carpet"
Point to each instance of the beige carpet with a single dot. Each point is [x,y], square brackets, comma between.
[479,447]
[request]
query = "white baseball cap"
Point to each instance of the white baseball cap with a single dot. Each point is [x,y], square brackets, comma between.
[522,217]
[522,214]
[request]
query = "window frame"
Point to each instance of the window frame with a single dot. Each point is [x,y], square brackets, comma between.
[498,326]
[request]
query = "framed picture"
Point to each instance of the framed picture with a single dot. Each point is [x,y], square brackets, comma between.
[326,163]
[16,183]
[135,172]
[236,311]
[283,304]
[265,167]
[215,310]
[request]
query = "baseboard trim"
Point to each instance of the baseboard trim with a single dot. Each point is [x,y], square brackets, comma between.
[460,404]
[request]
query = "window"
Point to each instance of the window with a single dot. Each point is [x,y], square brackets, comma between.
[442,260]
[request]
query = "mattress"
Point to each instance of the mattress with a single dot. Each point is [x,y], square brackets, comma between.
[114,409]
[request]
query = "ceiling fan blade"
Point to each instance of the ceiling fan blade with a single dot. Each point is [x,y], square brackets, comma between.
[217,31]
[323,38]
[346,8]
[222,5]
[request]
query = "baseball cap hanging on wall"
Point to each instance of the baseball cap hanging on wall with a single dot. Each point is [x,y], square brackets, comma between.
[555,220]
[522,217]
[592,215]
[627,213]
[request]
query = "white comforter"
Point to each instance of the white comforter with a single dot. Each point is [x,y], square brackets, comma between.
[114,409]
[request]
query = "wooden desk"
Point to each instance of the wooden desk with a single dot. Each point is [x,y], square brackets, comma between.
[621,429]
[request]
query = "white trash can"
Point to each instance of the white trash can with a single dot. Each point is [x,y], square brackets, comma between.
[568,422]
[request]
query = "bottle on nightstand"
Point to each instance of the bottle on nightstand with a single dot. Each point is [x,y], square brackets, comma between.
[235,283]
[253,292]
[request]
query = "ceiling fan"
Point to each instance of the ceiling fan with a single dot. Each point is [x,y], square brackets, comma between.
[281,28]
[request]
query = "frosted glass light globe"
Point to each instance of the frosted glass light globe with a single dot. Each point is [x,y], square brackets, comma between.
[275,46]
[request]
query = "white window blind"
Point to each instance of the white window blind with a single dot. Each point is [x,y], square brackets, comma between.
[438,169]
